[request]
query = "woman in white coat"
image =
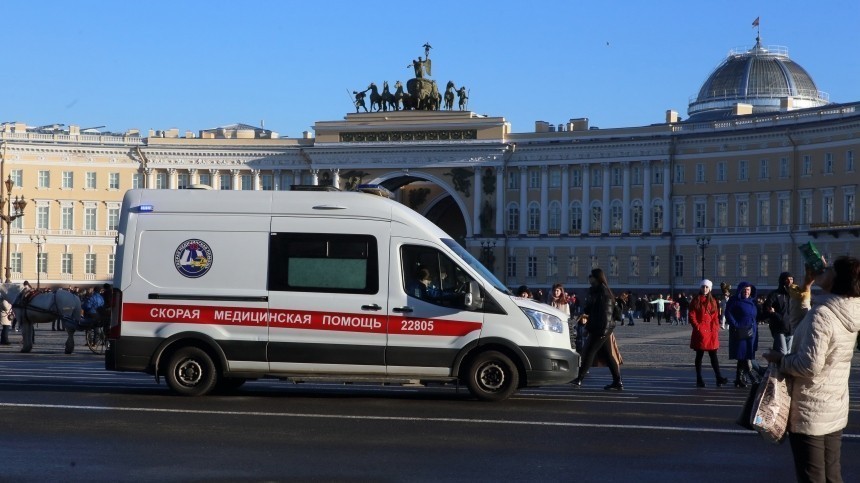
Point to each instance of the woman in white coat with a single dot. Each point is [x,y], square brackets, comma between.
[819,365]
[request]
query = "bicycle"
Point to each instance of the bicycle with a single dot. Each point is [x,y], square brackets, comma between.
[96,339]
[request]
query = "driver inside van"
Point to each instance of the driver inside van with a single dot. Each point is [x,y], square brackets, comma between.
[424,289]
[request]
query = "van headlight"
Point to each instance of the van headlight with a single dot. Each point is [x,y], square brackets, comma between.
[544,321]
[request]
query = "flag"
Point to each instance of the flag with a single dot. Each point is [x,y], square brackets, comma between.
[755,22]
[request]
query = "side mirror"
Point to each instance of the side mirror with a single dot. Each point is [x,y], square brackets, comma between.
[472,299]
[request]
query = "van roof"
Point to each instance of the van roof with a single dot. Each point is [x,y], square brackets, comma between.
[297,203]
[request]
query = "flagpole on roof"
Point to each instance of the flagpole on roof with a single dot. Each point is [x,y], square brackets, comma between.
[757,26]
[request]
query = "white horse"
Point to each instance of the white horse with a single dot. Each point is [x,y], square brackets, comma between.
[41,308]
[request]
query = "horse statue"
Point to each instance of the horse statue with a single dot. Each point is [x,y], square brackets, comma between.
[449,96]
[402,100]
[387,98]
[375,98]
[43,307]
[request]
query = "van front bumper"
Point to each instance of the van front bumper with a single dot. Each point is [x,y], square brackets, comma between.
[550,366]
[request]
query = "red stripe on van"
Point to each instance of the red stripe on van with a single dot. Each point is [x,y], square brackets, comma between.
[294,319]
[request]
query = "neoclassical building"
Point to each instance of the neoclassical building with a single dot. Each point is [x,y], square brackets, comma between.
[763,163]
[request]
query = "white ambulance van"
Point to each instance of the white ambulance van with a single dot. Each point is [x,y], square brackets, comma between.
[213,288]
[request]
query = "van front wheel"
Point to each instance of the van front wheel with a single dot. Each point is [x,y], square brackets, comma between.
[492,376]
[191,372]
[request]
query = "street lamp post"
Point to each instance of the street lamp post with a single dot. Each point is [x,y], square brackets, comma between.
[10,210]
[39,240]
[488,258]
[702,242]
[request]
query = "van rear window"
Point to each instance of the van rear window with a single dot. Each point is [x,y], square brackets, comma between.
[323,262]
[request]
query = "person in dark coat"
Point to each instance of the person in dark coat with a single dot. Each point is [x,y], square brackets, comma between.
[742,317]
[599,324]
[705,320]
[776,313]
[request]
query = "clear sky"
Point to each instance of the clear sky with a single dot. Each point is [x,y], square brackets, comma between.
[195,65]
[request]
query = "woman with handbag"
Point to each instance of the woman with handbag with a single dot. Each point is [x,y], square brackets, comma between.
[704,319]
[599,324]
[742,319]
[819,365]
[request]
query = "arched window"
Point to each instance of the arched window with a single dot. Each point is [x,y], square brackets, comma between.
[513,218]
[575,217]
[657,216]
[534,216]
[554,213]
[616,215]
[636,215]
[596,216]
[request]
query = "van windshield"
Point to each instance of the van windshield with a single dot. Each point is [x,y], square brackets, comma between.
[474,263]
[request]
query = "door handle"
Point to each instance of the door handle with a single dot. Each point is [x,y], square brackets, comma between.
[404,310]
[371,307]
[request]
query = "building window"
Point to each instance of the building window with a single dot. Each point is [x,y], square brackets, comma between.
[44,179]
[513,218]
[575,217]
[849,161]
[42,217]
[764,212]
[555,178]
[679,266]
[531,267]
[783,168]
[573,267]
[596,216]
[90,263]
[827,208]
[90,218]
[42,262]
[655,265]
[113,218]
[680,215]
[576,178]
[534,216]
[137,181]
[511,266]
[247,182]
[66,264]
[763,169]
[701,214]
[594,263]
[267,182]
[111,263]
[742,266]
[743,170]
[225,181]
[17,262]
[596,178]
[534,178]
[657,217]
[551,267]
[183,181]
[828,163]
[205,179]
[743,213]
[554,213]
[679,173]
[67,218]
[721,171]
[805,209]
[68,180]
[616,214]
[636,215]
[616,177]
[636,175]
[161,181]
[722,216]
[113,181]
[721,265]
[700,173]
[17,177]
[850,208]
[657,176]
[513,180]
[784,262]
[783,212]
[806,169]
[91,180]
[286,181]
[762,270]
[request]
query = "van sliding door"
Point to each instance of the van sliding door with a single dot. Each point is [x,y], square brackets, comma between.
[328,294]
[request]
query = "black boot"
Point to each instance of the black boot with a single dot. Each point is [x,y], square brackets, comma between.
[699,381]
[721,381]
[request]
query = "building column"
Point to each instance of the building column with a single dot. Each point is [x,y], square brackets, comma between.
[335,178]
[315,177]
[667,205]
[236,179]
[216,179]
[150,178]
[193,177]
[565,201]
[606,211]
[276,180]
[500,201]
[171,178]
[586,199]
[625,199]
[476,203]
[297,176]
[543,226]
[646,197]
[255,179]
[524,212]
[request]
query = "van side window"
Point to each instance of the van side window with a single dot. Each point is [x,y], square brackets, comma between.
[431,276]
[323,262]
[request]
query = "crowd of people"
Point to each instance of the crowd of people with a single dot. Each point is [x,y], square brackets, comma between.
[95,303]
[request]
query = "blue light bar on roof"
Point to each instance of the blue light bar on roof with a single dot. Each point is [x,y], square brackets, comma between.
[145,208]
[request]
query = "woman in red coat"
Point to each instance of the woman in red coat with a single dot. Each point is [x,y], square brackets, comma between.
[705,321]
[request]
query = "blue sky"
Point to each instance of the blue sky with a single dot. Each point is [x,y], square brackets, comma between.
[195,65]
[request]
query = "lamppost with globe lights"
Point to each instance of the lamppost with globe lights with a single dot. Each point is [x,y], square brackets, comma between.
[39,240]
[702,242]
[487,256]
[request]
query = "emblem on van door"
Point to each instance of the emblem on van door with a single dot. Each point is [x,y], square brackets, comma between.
[193,258]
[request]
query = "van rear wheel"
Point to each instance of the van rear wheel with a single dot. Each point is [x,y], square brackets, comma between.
[191,372]
[492,376]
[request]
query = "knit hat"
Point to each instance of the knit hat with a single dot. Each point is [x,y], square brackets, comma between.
[706,283]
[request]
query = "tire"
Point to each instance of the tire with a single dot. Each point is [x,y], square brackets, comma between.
[95,340]
[492,376]
[191,372]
